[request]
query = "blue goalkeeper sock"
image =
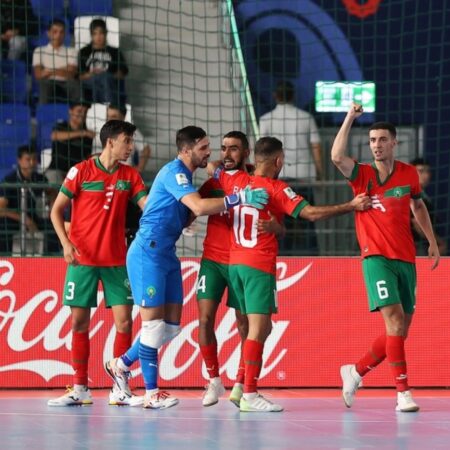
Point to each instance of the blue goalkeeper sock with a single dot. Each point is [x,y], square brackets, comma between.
[148,357]
[132,355]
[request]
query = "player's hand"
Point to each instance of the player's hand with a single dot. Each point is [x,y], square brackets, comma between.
[271,225]
[356,110]
[70,253]
[257,197]
[361,202]
[433,253]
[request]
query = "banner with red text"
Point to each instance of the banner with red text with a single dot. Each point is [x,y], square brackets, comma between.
[323,322]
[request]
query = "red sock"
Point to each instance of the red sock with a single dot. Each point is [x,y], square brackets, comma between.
[373,357]
[253,351]
[122,342]
[395,352]
[240,376]
[209,353]
[80,357]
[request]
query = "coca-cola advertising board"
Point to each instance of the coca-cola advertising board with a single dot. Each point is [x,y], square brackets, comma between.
[322,323]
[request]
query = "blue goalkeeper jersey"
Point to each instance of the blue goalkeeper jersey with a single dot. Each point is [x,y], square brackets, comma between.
[164,216]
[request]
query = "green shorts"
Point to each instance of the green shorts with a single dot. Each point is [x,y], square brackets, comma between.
[213,279]
[390,282]
[81,286]
[255,290]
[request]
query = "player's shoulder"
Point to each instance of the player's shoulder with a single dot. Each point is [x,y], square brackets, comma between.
[175,172]
[126,169]
[404,166]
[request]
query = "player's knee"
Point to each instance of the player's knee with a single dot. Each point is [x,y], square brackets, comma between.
[152,333]
[242,326]
[171,330]
[206,321]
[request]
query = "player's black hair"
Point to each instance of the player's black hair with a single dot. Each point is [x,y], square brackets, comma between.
[285,92]
[112,128]
[419,162]
[267,147]
[384,126]
[238,135]
[189,136]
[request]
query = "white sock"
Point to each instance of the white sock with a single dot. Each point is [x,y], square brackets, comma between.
[250,395]
[79,387]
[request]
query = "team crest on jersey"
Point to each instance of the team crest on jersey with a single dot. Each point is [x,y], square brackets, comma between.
[290,193]
[181,178]
[72,173]
[151,291]
[122,185]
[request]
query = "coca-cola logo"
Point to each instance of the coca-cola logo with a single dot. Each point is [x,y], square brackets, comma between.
[36,331]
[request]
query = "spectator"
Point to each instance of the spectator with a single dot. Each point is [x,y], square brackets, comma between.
[71,143]
[101,66]
[424,171]
[17,22]
[141,150]
[36,218]
[297,130]
[55,67]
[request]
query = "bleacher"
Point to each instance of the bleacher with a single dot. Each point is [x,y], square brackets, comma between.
[23,120]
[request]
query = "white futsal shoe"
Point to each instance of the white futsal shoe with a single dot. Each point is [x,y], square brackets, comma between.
[159,400]
[73,397]
[351,380]
[405,402]
[259,404]
[117,397]
[214,390]
[119,376]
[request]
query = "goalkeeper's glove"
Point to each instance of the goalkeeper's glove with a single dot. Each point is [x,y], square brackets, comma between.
[257,198]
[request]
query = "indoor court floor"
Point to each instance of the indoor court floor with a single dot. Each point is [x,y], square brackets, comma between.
[313,419]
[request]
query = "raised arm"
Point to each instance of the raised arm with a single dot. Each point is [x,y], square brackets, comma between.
[338,152]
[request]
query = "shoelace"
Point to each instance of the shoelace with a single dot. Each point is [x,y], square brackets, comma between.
[161,395]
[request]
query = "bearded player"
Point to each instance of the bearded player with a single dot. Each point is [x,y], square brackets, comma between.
[253,255]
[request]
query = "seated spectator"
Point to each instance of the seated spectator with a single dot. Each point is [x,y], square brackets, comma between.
[71,143]
[37,205]
[17,22]
[55,67]
[141,151]
[424,171]
[101,67]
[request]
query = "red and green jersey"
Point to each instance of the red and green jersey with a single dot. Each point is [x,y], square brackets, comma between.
[247,246]
[99,205]
[385,229]
[216,246]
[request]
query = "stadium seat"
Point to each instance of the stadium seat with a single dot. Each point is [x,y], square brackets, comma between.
[13,81]
[95,119]
[89,7]
[46,159]
[15,130]
[47,116]
[47,10]
[82,34]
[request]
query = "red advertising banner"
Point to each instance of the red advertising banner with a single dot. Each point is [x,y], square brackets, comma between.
[323,322]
